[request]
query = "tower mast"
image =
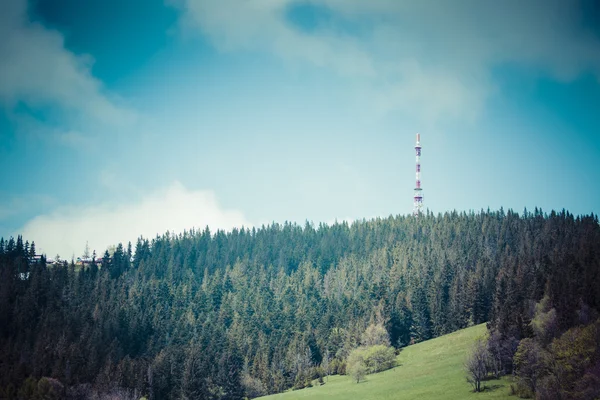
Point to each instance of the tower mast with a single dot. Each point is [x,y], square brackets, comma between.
[418,196]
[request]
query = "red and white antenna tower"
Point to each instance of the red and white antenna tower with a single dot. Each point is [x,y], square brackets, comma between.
[418,197]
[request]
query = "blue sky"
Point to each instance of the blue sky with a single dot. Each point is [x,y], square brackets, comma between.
[121,118]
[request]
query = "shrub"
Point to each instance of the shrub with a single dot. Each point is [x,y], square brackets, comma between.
[358,370]
[50,388]
[379,358]
[338,367]
[253,387]
[573,352]
[531,362]
[374,358]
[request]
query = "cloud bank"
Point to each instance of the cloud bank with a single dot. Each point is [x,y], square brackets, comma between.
[427,58]
[175,208]
[37,70]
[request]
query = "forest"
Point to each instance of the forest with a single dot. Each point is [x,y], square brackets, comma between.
[228,315]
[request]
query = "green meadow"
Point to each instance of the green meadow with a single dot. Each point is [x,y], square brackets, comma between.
[428,370]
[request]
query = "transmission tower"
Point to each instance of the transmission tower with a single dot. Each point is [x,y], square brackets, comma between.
[418,196]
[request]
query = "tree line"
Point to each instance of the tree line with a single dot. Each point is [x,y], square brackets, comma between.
[224,315]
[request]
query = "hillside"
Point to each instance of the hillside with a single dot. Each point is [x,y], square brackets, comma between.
[427,370]
[252,312]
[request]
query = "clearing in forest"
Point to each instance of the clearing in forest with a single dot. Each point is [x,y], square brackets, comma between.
[428,370]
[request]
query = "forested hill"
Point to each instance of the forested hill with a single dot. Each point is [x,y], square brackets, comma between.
[250,312]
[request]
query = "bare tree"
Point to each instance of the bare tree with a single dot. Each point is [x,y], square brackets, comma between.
[476,365]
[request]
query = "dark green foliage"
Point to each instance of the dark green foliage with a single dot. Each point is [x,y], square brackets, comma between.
[211,315]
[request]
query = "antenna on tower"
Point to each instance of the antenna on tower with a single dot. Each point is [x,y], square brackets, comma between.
[418,196]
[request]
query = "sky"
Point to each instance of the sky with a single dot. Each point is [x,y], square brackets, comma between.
[121,118]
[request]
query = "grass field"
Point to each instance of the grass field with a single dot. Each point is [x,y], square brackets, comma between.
[427,370]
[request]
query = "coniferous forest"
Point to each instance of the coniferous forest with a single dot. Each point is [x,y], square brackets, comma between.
[221,315]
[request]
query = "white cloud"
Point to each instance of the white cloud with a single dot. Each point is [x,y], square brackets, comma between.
[175,208]
[428,58]
[37,69]
[260,24]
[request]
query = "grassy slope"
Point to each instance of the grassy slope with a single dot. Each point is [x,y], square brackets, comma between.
[427,370]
